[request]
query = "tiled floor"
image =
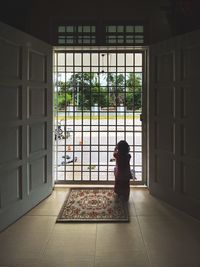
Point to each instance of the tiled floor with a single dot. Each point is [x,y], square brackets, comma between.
[157,236]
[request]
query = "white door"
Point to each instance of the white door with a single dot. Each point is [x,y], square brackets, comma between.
[174,122]
[25,123]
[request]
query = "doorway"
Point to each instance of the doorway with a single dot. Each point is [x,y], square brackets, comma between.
[98,101]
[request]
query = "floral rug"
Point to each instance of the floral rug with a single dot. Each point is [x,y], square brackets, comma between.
[93,205]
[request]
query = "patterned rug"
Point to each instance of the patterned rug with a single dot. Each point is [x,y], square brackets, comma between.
[93,205]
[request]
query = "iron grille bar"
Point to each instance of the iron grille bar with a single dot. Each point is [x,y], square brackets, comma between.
[125,91]
[74,108]
[107,115]
[99,133]
[82,122]
[90,166]
[65,126]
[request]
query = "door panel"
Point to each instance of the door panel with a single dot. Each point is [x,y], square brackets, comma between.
[174,115]
[25,123]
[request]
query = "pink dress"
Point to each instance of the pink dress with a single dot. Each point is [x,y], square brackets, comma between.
[122,175]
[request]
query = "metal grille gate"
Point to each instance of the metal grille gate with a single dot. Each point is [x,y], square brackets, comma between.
[97,102]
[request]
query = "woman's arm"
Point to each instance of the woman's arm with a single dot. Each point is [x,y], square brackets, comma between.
[115,154]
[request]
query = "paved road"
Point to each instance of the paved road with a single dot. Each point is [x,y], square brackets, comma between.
[94,145]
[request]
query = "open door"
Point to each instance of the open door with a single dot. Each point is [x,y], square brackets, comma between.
[99,98]
[25,123]
[174,122]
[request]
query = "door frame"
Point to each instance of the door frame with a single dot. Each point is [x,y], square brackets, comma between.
[145,133]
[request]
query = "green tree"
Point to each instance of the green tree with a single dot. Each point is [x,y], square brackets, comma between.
[134,91]
[63,97]
[116,85]
[84,90]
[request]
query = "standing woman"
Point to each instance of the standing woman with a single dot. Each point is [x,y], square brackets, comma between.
[122,170]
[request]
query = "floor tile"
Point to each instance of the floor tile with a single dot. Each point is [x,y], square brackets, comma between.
[47,263]
[157,235]
[118,237]
[25,240]
[70,242]
[52,205]
[126,257]
[172,241]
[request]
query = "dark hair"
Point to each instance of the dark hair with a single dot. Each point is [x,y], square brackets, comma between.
[123,147]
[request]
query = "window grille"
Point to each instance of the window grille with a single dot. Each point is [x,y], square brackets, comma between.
[125,34]
[76,34]
[68,35]
[97,102]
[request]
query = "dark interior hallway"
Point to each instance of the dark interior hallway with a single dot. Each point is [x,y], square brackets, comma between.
[161,232]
